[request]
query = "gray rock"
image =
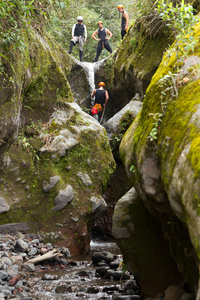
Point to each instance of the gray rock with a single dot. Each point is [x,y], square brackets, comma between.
[3,275]
[53,181]
[6,261]
[29,267]
[6,291]
[102,256]
[85,178]
[114,264]
[116,275]
[98,203]
[64,262]
[66,252]
[13,271]
[111,126]
[21,246]
[118,231]
[33,251]
[64,197]
[102,271]
[14,228]
[4,206]
[36,241]
[130,285]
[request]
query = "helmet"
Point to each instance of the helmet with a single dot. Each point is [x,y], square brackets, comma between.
[100,22]
[120,6]
[101,83]
[80,18]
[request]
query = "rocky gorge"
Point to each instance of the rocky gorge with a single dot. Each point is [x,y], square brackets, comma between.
[59,166]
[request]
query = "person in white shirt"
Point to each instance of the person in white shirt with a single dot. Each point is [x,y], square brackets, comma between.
[79,35]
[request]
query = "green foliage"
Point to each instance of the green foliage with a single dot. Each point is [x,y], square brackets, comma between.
[181,20]
[57,17]
[155,130]
[132,169]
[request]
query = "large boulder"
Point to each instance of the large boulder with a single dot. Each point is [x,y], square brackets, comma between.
[120,122]
[55,177]
[145,251]
[165,169]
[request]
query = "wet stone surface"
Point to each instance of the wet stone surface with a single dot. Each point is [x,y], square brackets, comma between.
[24,276]
[82,280]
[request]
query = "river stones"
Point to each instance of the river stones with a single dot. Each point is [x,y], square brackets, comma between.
[103,256]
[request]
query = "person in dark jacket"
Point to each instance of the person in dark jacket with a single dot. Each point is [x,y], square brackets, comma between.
[101,99]
[79,35]
[124,21]
[102,39]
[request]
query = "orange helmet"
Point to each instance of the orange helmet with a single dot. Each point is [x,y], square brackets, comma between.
[101,83]
[120,6]
[100,22]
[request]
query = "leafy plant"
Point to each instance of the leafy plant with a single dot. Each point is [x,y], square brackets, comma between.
[153,135]
[132,169]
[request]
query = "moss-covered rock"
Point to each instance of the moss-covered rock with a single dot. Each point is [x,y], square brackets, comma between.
[71,148]
[166,169]
[130,68]
[120,122]
[33,83]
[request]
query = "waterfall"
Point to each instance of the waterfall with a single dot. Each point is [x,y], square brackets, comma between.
[90,69]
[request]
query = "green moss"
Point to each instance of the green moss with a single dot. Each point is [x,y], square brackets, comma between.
[194,155]
[135,49]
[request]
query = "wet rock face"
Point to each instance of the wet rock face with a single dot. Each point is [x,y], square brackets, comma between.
[139,236]
[79,86]
[166,173]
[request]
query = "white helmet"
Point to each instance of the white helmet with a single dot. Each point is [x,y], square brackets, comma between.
[80,18]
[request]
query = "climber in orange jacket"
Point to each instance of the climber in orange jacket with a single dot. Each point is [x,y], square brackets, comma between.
[101,99]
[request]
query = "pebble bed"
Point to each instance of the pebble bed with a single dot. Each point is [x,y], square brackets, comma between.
[16,271]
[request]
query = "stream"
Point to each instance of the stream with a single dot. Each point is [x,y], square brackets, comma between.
[78,280]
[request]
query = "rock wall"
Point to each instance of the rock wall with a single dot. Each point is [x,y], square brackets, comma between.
[130,68]
[166,170]
[145,251]
[55,159]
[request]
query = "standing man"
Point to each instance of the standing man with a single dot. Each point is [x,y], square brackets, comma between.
[125,20]
[102,39]
[101,99]
[79,35]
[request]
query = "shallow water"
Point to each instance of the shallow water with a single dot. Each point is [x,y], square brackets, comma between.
[45,289]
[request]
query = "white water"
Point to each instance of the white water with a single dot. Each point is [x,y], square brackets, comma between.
[90,69]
